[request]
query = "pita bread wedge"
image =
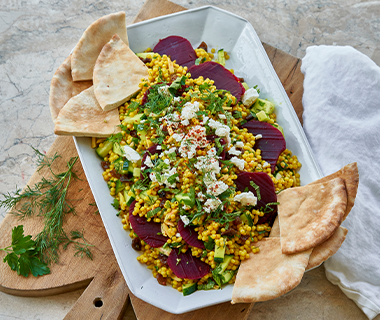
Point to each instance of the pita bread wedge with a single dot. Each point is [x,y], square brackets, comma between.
[62,88]
[309,215]
[92,41]
[350,175]
[268,274]
[117,74]
[321,252]
[83,117]
[328,248]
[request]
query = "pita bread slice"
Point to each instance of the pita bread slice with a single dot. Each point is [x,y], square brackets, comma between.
[321,252]
[117,74]
[309,215]
[62,88]
[328,248]
[268,274]
[83,117]
[92,41]
[350,175]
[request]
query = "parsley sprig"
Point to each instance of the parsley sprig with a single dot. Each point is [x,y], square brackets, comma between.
[23,255]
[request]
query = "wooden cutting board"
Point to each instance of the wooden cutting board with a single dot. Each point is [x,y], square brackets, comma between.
[106,295]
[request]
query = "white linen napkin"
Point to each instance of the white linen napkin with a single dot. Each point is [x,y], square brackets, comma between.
[342,122]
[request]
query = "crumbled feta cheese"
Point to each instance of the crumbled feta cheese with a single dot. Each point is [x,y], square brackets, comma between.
[148,162]
[216,188]
[131,154]
[212,204]
[178,136]
[185,220]
[167,161]
[171,150]
[153,177]
[246,198]
[177,234]
[222,116]
[185,122]
[201,196]
[249,97]
[278,176]
[234,151]
[158,147]
[195,138]
[205,119]
[164,91]
[258,136]
[189,110]
[266,165]
[239,144]
[238,162]
[211,152]
[207,164]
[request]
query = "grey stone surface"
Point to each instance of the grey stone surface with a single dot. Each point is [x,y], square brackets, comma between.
[36,36]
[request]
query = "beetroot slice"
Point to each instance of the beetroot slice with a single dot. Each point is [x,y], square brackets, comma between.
[178,48]
[184,265]
[271,144]
[189,235]
[266,188]
[150,232]
[223,78]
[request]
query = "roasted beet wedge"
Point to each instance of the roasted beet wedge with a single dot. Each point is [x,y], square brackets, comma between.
[189,235]
[150,232]
[271,144]
[266,189]
[223,78]
[184,265]
[178,48]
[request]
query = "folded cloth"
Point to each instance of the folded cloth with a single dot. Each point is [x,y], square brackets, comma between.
[342,122]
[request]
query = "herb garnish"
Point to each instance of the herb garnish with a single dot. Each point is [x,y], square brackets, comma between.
[23,255]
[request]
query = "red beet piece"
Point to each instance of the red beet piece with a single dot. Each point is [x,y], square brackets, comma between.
[150,232]
[184,265]
[223,78]
[266,189]
[178,48]
[271,144]
[189,235]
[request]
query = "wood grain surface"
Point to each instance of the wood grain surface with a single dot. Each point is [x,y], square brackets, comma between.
[106,296]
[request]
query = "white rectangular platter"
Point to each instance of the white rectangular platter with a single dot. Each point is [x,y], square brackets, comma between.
[219,29]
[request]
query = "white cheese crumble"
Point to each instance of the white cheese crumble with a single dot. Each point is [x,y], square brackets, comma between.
[221,129]
[222,116]
[164,91]
[258,136]
[189,110]
[234,151]
[246,198]
[216,188]
[201,196]
[131,154]
[238,162]
[178,136]
[195,138]
[158,147]
[249,97]
[266,165]
[148,162]
[212,204]
[239,144]
[185,220]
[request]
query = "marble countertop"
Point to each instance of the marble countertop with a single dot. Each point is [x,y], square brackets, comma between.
[36,36]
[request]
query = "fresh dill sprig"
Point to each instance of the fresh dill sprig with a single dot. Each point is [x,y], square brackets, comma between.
[47,198]
[81,247]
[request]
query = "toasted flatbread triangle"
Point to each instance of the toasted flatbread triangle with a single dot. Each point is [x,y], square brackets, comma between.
[309,215]
[268,274]
[350,175]
[117,74]
[92,41]
[63,88]
[82,116]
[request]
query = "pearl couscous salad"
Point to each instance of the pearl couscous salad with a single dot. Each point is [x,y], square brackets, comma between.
[195,170]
